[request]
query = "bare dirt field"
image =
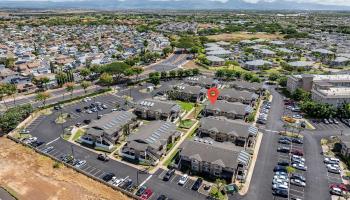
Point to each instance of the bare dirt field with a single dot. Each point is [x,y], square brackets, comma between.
[243,36]
[31,176]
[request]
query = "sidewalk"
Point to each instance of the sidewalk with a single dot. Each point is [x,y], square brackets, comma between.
[160,164]
[245,188]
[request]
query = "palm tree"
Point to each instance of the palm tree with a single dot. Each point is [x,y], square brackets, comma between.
[85,85]
[42,96]
[12,91]
[70,88]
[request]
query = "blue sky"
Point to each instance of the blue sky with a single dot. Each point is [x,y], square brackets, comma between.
[324,2]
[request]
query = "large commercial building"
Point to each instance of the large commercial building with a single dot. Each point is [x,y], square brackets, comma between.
[330,89]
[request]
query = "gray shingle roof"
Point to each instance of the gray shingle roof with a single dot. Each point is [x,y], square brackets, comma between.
[231,127]
[154,134]
[159,106]
[239,94]
[223,154]
[110,123]
[229,107]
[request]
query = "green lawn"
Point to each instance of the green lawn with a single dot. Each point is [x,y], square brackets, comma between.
[78,134]
[171,157]
[273,70]
[231,67]
[186,106]
[216,194]
[187,123]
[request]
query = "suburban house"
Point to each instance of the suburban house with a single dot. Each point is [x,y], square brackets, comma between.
[187,93]
[245,85]
[222,129]
[231,110]
[106,131]
[202,81]
[233,95]
[216,61]
[150,141]
[345,145]
[257,64]
[208,158]
[306,65]
[152,109]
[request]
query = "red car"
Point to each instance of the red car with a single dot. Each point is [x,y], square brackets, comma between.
[297,152]
[147,194]
[338,185]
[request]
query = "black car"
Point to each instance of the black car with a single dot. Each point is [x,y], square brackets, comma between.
[169,174]
[281,193]
[103,157]
[197,184]
[162,197]
[283,149]
[78,110]
[108,177]
[36,144]
[280,169]
[283,141]
[297,141]
[141,190]
[87,121]
[283,163]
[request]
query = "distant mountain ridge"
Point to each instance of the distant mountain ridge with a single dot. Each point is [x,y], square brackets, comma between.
[176,5]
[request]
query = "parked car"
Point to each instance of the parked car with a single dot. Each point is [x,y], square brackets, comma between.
[47,149]
[334,170]
[280,169]
[78,110]
[279,181]
[141,190]
[107,177]
[297,182]
[297,141]
[283,163]
[298,176]
[297,116]
[296,157]
[103,157]
[299,166]
[325,121]
[183,179]
[25,131]
[297,152]
[126,184]
[281,193]
[335,121]
[169,174]
[36,143]
[80,163]
[336,191]
[197,184]
[283,149]
[87,121]
[280,186]
[162,197]
[147,194]
[330,121]
[281,173]
[281,177]
[283,141]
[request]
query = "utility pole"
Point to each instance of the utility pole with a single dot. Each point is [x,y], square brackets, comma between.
[72,150]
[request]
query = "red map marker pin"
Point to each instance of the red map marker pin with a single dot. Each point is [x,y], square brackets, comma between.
[213,94]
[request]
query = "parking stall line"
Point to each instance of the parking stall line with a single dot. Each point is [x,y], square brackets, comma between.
[87,169]
[171,180]
[161,175]
[98,171]
[84,167]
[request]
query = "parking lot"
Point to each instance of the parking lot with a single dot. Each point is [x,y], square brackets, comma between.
[176,191]
[293,190]
[320,125]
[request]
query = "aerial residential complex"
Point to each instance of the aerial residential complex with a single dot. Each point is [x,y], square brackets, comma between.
[137,100]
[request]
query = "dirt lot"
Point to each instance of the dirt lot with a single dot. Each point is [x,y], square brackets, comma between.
[32,176]
[243,36]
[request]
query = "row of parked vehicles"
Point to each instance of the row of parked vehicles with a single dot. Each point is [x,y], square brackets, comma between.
[264,112]
[282,179]
[332,165]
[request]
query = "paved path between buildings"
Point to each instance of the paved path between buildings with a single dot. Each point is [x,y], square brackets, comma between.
[174,148]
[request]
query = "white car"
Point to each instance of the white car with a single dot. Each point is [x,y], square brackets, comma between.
[333,165]
[183,179]
[80,163]
[336,191]
[297,116]
[30,140]
[280,187]
[297,182]
[296,157]
[282,177]
[299,166]
[333,170]
[279,181]
[281,174]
